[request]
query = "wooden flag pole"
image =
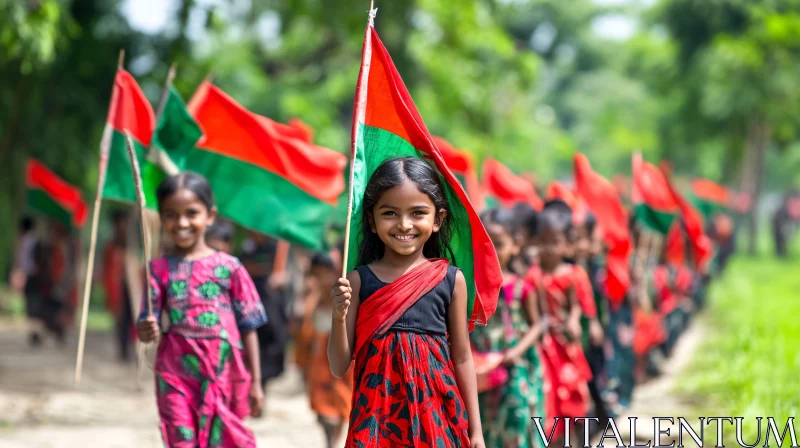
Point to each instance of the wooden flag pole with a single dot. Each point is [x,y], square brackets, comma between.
[137,180]
[87,286]
[346,252]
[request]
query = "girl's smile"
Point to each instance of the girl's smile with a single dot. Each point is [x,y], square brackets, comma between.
[404,218]
[185,218]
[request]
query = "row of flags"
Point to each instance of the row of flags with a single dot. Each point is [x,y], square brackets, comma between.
[266,176]
[271,177]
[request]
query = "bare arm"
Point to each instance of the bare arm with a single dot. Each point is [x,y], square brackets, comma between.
[535,329]
[344,296]
[461,355]
[256,396]
[250,340]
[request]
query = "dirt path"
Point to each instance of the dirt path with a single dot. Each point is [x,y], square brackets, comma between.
[657,398]
[43,409]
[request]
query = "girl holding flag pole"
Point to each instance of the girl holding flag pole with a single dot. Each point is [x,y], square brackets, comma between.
[402,315]
[405,310]
[207,367]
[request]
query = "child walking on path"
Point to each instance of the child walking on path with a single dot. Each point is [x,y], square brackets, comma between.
[512,332]
[329,396]
[403,315]
[207,365]
[566,369]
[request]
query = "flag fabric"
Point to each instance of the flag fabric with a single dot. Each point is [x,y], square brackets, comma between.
[265,175]
[675,246]
[710,197]
[172,143]
[462,166]
[506,187]
[693,226]
[51,196]
[386,125]
[604,201]
[654,204]
[129,110]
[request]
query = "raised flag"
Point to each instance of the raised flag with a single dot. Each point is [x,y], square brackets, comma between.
[129,110]
[693,225]
[604,201]
[710,197]
[53,197]
[386,124]
[263,174]
[508,188]
[654,205]
[462,165]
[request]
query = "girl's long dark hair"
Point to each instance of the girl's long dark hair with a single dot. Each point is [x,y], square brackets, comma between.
[392,173]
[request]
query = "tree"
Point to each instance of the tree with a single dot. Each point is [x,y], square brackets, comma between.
[731,87]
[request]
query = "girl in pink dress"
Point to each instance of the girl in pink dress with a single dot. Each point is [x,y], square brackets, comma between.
[207,366]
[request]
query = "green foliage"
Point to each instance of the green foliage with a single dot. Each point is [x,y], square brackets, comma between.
[32,33]
[527,82]
[748,366]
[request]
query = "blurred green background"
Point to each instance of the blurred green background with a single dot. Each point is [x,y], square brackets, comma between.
[708,85]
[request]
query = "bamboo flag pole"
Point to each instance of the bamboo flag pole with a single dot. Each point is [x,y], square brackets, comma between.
[157,157]
[87,286]
[149,220]
[137,180]
[346,253]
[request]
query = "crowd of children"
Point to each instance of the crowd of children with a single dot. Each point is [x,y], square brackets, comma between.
[588,352]
[380,372]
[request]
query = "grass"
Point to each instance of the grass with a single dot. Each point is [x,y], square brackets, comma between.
[748,365]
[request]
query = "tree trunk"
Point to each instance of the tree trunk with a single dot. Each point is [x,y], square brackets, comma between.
[758,135]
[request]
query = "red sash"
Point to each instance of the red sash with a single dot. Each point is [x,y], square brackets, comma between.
[383,308]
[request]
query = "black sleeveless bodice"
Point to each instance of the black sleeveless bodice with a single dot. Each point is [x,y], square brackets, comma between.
[428,315]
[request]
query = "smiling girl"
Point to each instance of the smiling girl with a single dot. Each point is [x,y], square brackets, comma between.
[207,366]
[402,313]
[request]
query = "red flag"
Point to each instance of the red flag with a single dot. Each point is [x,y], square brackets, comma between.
[301,130]
[508,188]
[655,206]
[674,246]
[386,125]
[47,193]
[462,165]
[605,203]
[709,191]
[231,130]
[701,245]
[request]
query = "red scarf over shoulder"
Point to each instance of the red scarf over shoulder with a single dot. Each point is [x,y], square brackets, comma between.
[383,308]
